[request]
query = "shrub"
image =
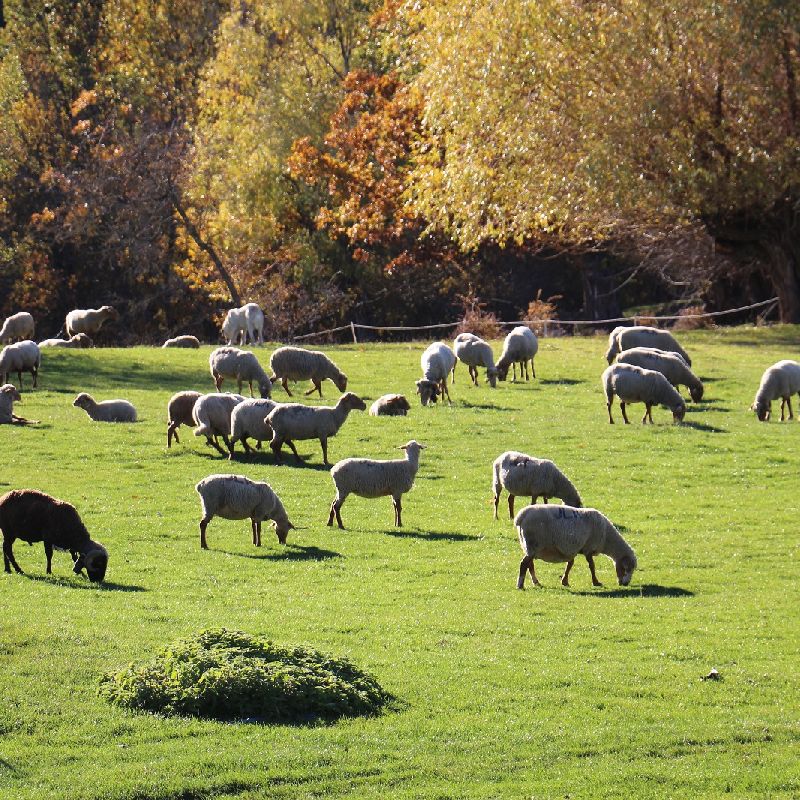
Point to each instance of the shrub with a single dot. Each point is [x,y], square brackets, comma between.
[476,319]
[540,310]
[686,323]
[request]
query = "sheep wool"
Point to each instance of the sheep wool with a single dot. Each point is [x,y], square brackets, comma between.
[297,364]
[670,365]
[390,405]
[179,412]
[89,320]
[212,416]
[17,327]
[644,336]
[475,352]
[249,420]
[185,340]
[76,342]
[20,357]
[636,385]
[107,410]
[780,380]
[519,347]
[437,361]
[241,365]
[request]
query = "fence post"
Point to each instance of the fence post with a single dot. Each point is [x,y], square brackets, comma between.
[353,331]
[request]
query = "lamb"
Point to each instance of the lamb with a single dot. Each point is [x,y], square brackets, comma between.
[559,533]
[249,419]
[643,336]
[20,357]
[106,410]
[290,421]
[78,341]
[780,380]
[475,352]
[369,478]
[212,416]
[670,365]
[436,361]
[37,517]
[9,394]
[237,497]
[183,341]
[239,323]
[519,347]
[230,362]
[296,364]
[17,327]
[390,405]
[90,320]
[636,385]
[520,474]
[179,412]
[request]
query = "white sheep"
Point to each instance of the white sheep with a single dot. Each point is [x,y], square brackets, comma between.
[643,336]
[521,474]
[390,405]
[239,323]
[20,357]
[107,410]
[670,365]
[475,352]
[636,385]
[367,477]
[89,320]
[461,337]
[179,412]
[519,347]
[17,327]
[780,380]
[254,320]
[436,361]
[559,533]
[182,341]
[249,420]
[231,362]
[297,364]
[8,395]
[212,417]
[290,421]
[76,342]
[237,497]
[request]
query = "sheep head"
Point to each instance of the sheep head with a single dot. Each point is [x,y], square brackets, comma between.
[10,389]
[625,567]
[341,382]
[282,530]
[696,393]
[352,402]
[678,412]
[492,374]
[763,410]
[428,391]
[94,561]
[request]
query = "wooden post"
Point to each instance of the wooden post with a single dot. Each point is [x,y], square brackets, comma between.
[353,331]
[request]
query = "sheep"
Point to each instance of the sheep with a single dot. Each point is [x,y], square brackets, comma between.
[234,327]
[230,362]
[249,419]
[670,365]
[290,421]
[179,412]
[461,337]
[212,417]
[254,321]
[390,405]
[559,533]
[436,361]
[780,380]
[636,385]
[37,517]
[521,474]
[475,352]
[9,394]
[78,341]
[90,320]
[106,410]
[183,341]
[367,477]
[237,497]
[20,357]
[297,364]
[519,347]
[17,327]
[643,336]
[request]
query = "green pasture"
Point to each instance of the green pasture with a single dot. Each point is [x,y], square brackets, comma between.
[550,692]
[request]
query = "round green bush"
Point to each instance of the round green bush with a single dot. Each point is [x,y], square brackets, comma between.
[229,675]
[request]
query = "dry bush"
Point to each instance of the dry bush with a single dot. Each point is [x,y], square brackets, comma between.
[686,323]
[645,319]
[539,311]
[477,320]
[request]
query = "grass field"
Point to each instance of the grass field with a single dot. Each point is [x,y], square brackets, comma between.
[550,692]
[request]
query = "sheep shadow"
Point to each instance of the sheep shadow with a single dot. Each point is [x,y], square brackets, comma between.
[701,426]
[293,552]
[645,590]
[560,381]
[430,537]
[69,583]
[483,406]
[704,407]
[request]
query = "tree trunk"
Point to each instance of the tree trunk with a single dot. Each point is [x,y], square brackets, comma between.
[781,268]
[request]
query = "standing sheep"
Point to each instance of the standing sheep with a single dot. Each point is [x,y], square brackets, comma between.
[367,477]
[390,405]
[249,419]
[107,410]
[780,380]
[76,342]
[296,364]
[643,336]
[559,533]
[185,340]
[519,347]
[670,365]
[254,321]
[20,357]
[212,416]
[230,362]
[179,412]
[17,327]
[475,352]
[90,320]
[635,385]
[9,394]
[436,361]
[234,327]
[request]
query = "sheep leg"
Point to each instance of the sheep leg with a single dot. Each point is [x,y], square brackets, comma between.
[496,499]
[398,508]
[526,564]
[215,444]
[285,384]
[48,552]
[336,506]
[608,406]
[315,386]
[172,430]
[203,525]
[324,442]
[218,380]
[514,371]
[8,557]
[624,415]
[444,390]
[595,581]
[247,447]
[275,446]
[511,506]
[294,450]
[789,406]
[35,373]
[533,369]
[473,373]
[565,576]
[19,375]
[524,368]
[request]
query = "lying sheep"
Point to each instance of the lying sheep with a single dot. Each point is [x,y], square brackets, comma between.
[635,385]
[249,420]
[296,364]
[520,474]
[237,497]
[390,405]
[8,395]
[212,416]
[475,352]
[559,533]
[519,347]
[780,380]
[16,328]
[436,361]
[78,341]
[20,357]
[369,478]
[670,365]
[107,410]
[230,362]
[643,336]
[37,517]
[179,412]
[290,421]
[183,341]
[89,320]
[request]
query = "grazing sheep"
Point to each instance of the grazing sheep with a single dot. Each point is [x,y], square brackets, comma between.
[436,361]
[20,357]
[519,347]
[212,416]
[230,362]
[249,419]
[78,341]
[17,327]
[559,533]
[636,385]
[107,410]
[179,412]
[390,405]
[296,364]
[643,336]
[461,337]
[475,352]
[520,474]
[780,380]
[37,517]
[290,421]
[9,394]
[367,477]
[89,320]
[670,365]
[237,497]
[183,341]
